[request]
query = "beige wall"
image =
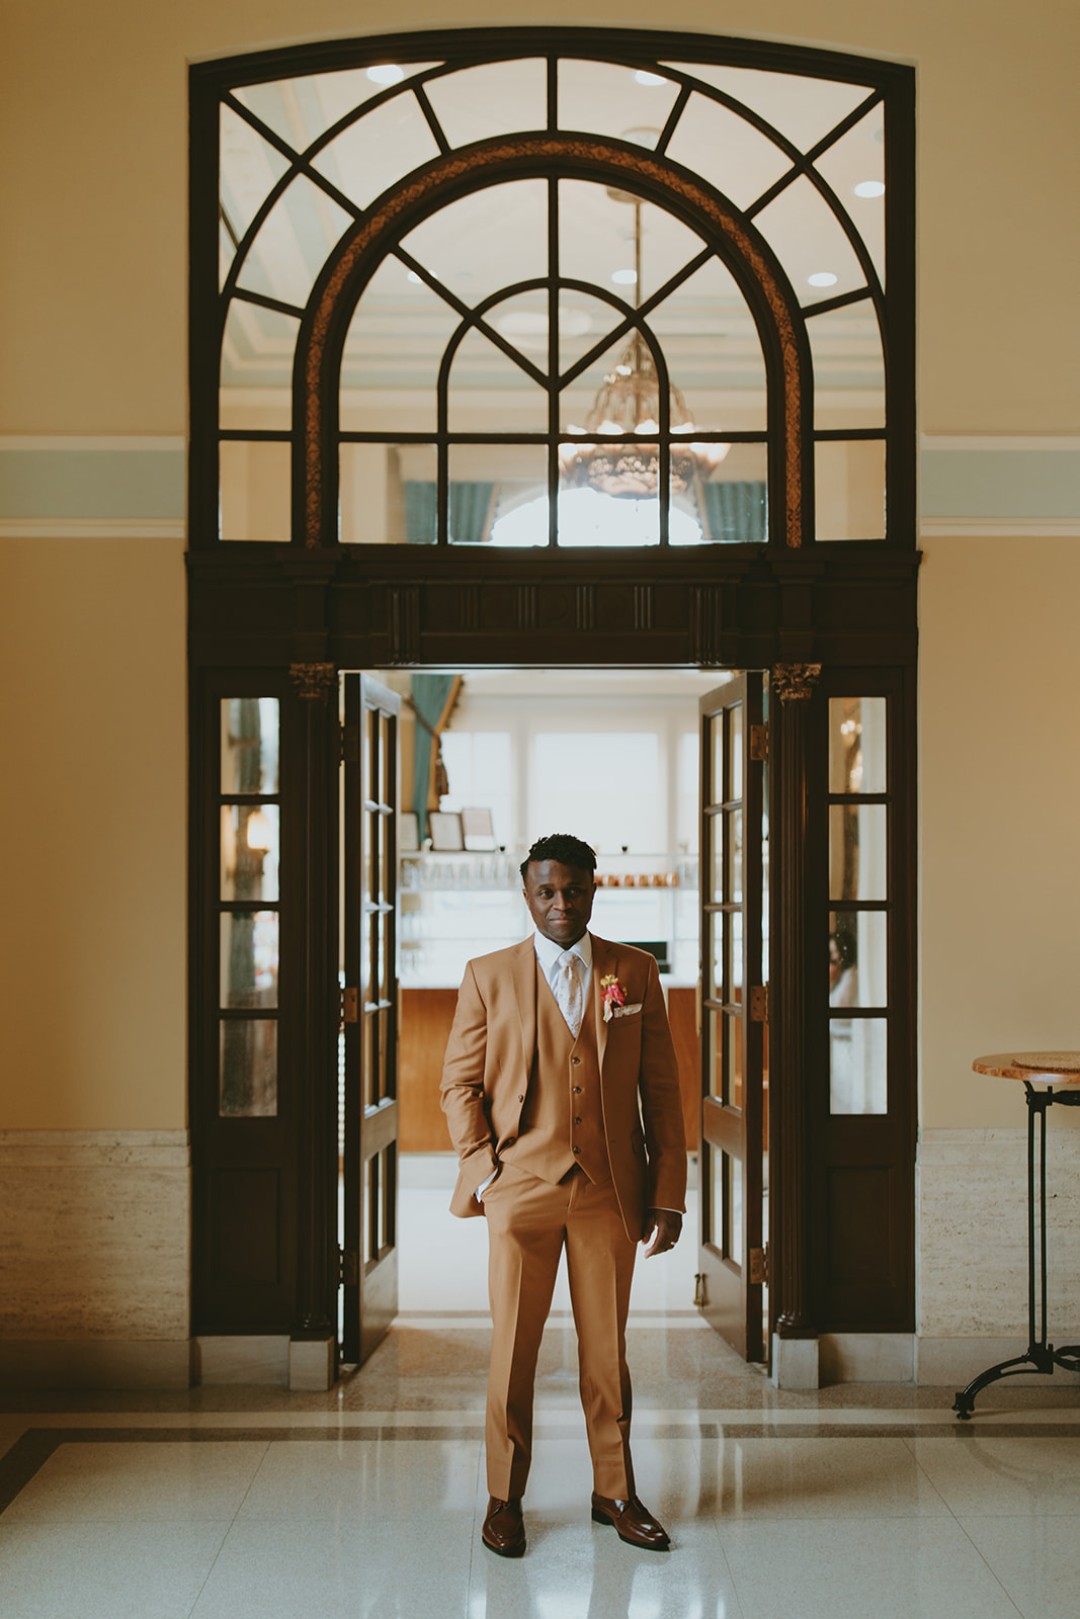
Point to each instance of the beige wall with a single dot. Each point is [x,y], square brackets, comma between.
[92,341]
[92,287]
[92,828]
[1000,767]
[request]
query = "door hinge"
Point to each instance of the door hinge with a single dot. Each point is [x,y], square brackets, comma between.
[350,1006]
[759,743]
[700,1300]
[759,1266]
[348,1267]
[759,1003]
[349,744]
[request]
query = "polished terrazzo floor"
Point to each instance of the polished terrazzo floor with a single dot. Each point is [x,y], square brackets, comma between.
[850,1501]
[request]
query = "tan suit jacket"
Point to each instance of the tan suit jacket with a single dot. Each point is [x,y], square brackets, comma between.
[489,1060]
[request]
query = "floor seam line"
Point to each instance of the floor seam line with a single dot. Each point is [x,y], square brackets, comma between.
[229,1527]
[993,1571]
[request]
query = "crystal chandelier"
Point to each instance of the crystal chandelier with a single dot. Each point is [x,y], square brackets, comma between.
[629,402]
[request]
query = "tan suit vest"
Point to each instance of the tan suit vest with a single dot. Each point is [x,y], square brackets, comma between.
[562,1121]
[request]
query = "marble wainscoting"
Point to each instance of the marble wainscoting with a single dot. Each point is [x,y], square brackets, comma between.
[95,1259]
[972,1246]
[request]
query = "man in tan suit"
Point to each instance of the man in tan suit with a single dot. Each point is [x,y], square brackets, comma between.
[561,1091]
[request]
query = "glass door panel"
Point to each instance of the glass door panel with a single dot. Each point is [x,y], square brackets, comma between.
[733,1030]
[369,864]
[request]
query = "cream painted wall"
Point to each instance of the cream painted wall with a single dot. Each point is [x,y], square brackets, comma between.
[1000,771]
[93,292]
[92,825]
[92,286]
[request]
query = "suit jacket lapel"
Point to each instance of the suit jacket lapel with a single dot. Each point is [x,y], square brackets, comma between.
[524,977]
[603,962]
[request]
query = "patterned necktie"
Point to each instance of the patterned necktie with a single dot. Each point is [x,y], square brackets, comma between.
[568,990]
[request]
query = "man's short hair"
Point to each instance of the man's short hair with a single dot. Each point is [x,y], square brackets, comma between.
[561,846]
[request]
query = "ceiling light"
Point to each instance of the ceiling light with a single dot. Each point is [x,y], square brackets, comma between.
[822,278]
[386,73]
[628,402]
[624,278]
[641,135]
[870,188]
[411,275]
[530,322]
[528,328]
[642,77]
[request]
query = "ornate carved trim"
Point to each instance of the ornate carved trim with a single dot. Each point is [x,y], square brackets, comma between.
[713,210]
[404,624]
[469,607]
[585,607]
[794,682]
[705,616]
[313,680]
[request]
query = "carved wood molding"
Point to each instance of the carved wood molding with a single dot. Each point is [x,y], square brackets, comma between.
[313,681]
[404,624]
[794,682]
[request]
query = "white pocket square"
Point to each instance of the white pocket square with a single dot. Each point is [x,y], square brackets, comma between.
[627,1011]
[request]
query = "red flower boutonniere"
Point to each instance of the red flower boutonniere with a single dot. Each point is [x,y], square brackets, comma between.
[612,994]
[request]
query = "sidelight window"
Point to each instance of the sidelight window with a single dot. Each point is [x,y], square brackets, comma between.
[858,831]
[249,907]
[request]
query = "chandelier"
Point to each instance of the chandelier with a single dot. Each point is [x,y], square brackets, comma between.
[628,402]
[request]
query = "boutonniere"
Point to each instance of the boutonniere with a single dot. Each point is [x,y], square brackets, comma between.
[612,994]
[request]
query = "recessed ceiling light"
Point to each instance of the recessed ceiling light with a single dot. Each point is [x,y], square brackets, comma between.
[385,73]
[641,135]
[870,188]
[822,278]
[642,77]
[528,328]
[624,278]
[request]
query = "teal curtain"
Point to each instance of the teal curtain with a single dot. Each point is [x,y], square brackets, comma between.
[735,511]
[430,694]
[472,510]
[420,513]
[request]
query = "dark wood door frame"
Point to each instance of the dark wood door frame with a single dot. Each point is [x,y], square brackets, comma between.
[267,618]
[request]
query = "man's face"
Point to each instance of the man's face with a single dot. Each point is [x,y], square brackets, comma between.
[560,900]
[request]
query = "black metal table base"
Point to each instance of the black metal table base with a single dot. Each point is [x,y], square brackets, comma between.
[1041,1356]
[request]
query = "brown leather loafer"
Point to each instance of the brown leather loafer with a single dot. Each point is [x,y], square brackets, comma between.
[632,1522]
[504,1530]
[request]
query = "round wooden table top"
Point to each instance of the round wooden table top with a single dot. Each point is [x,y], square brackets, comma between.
[1037,1067]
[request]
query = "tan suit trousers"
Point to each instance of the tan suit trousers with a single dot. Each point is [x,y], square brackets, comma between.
[529,1222]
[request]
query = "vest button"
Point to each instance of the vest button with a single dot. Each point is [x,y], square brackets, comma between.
[577,1121]
[577,1090]
[577,1149]
[521,1098]
[575,1061]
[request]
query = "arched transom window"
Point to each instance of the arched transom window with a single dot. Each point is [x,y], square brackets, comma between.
[532,290]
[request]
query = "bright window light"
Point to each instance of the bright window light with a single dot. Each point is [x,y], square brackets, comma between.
[822,278]
[586,517]
[385,73]
[870,188]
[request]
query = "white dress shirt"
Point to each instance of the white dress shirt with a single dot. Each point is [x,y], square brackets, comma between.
[550,955]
